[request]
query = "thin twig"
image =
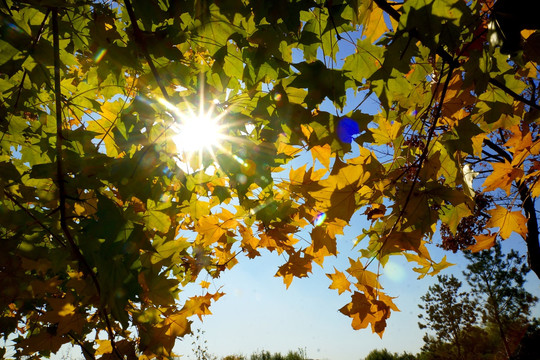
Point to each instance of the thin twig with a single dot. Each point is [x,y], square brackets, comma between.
[139,38]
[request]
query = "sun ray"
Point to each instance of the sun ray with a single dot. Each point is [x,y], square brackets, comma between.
[197,132]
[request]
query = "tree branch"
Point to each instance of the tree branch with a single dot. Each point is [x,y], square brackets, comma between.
[60,179]
[43,226]
[515,95]
[490,144]
[139,39]
[533,236]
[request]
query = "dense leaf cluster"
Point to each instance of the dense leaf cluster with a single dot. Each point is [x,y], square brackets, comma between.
[104,220]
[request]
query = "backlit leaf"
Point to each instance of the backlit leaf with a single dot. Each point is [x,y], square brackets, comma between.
[508,221]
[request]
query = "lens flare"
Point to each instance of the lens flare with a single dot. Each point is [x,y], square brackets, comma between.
[394,272]
[319,219]
[100,54]
[347,130]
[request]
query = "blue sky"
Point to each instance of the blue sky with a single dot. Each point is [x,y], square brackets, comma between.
[258,313]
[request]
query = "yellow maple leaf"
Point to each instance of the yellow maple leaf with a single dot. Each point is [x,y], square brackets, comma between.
[363,276]
[323,154]
[104,347]
[507,221]
[178,325]
[339,282]
[249,242]
[374,24]
[322,239]
[502,177]
[338,194]
[209,228]
[296,266]
[365,309]
[387,131]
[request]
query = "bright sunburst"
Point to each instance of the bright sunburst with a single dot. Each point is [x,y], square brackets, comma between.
[196,131]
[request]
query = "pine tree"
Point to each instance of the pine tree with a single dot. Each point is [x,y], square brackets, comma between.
[498,281]
[449,313]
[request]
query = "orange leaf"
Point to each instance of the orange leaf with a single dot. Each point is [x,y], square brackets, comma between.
[296,266]
[339,282]
[483,242]
[507,221]
[502,177]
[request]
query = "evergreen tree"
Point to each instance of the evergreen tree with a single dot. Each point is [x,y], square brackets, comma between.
[449,313]
[498,281]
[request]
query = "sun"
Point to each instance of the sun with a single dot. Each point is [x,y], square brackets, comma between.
[198,132]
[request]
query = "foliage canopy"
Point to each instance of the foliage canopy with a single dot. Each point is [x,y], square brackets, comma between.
[103,220]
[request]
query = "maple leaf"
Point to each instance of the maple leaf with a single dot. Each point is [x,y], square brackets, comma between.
[199,305]
[104,347]
[502,177]
[296,266]
[339,282]
[340,193]
[44,341]
[249,242]
[178,325]
[359,309]
[364,277]
[64,313]
[321,239]
[365,310]
[323,154]
[483,242]
[210,230]
[376,211]
[507,221]
[374,23]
